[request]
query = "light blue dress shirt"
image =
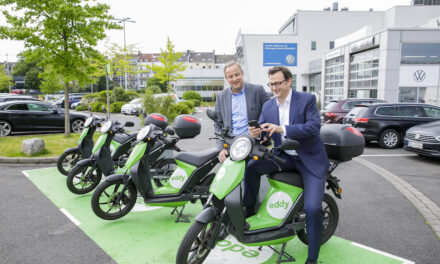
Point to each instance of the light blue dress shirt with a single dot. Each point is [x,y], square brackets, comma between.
[239,113]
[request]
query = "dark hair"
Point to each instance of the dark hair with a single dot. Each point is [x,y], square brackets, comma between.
[286,72]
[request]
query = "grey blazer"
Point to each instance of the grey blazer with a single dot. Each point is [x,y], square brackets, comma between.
[256,96]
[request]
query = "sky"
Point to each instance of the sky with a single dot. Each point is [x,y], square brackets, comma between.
[202,25]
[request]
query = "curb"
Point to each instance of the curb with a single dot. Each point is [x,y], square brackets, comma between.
[14,160]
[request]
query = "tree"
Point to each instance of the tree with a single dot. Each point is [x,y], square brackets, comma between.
[153,81]
[51,83]
[5,80]
[121,64]
[62,33]
[170,69]
[28,67]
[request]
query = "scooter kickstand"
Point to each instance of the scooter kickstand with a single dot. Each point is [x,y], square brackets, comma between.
[282,253]
[180,215]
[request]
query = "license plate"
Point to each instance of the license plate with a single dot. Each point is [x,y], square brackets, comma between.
[414,144]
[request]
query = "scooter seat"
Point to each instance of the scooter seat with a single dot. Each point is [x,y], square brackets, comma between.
[122,138]
[289,177]
[198,158]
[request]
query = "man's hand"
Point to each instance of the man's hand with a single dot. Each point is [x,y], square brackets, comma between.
[222,155]
[254,131]
[271,128]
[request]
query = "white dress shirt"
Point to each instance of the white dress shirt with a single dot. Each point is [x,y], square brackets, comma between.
[284,111]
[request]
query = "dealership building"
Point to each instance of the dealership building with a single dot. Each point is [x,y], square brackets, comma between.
[337,53]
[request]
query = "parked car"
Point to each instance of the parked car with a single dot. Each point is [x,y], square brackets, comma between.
[134,107]
[335,111]
[36,116]
[74,105]
[424,139]
[73,99]
[9,98]
[388,122]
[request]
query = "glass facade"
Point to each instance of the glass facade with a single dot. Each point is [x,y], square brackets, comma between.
[199,85]
[420,53]
[364,74]
[315,82]
[334,79]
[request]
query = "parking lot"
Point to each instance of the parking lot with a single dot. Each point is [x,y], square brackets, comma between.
[387,197]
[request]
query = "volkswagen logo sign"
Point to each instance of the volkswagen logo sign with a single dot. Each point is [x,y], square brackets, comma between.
[417,136]
[290,59]
[419,76]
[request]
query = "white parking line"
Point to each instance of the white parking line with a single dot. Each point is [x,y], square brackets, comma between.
[71,217]
[388,155]
[427,208]
[25,174]
[404,261]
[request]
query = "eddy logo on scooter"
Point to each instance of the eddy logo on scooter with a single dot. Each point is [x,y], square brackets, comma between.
[178,178]
[279,205]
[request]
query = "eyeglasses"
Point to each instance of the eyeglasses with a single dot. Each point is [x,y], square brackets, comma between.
[276,84]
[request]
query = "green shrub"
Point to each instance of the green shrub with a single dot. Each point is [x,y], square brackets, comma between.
[192,95]
[190,104]
[166,106]
[81,107]
[182,108]
[195,102]
[97,106]
[116,107]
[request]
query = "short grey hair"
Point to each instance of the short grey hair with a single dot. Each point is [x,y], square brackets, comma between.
[230,64]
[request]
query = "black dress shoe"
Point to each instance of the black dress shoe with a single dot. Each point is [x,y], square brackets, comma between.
[311,261]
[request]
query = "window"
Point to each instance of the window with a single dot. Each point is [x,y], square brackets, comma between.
[38,107]
[332,45]
[420,53]
[17,107]
[432,112]
[313,45]
[411,111]
[385,111]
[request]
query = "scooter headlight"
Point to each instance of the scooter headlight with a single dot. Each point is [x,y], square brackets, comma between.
[241,148]
[143,133]
[106,127]
[88,121]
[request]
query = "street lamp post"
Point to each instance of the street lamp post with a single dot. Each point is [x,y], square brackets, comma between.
[123,20]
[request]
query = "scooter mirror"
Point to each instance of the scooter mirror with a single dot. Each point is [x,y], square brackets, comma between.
[129,124]
[169,130]
[211,114]
[289,144]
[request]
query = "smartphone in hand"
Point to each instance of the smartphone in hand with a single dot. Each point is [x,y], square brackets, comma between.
[254,123]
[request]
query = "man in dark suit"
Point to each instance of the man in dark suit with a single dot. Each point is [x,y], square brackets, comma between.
[238,104]
[292,115]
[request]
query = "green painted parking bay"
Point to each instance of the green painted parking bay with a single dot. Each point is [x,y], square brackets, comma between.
[150,235]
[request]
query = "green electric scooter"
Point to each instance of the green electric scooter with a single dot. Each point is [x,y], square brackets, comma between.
[280,216]
[189,182]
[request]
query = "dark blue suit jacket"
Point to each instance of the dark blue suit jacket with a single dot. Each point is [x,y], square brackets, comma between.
[304,127]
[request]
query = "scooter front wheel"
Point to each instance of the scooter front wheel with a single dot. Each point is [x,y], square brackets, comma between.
[194,246]
[83,179]
[330,220]
[67,160]
[110,201]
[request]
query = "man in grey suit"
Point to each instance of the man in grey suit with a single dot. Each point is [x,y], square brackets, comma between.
[238,104]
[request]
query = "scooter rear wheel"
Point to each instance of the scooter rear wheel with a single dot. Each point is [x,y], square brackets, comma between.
[330,220]
[67,160]
[104,200]
[83,179]
[193,248]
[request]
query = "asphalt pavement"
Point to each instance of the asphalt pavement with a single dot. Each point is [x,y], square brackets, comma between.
[373,212]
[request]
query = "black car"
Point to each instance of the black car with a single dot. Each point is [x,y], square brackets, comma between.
[424,139]
[36,116]
[387,123]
